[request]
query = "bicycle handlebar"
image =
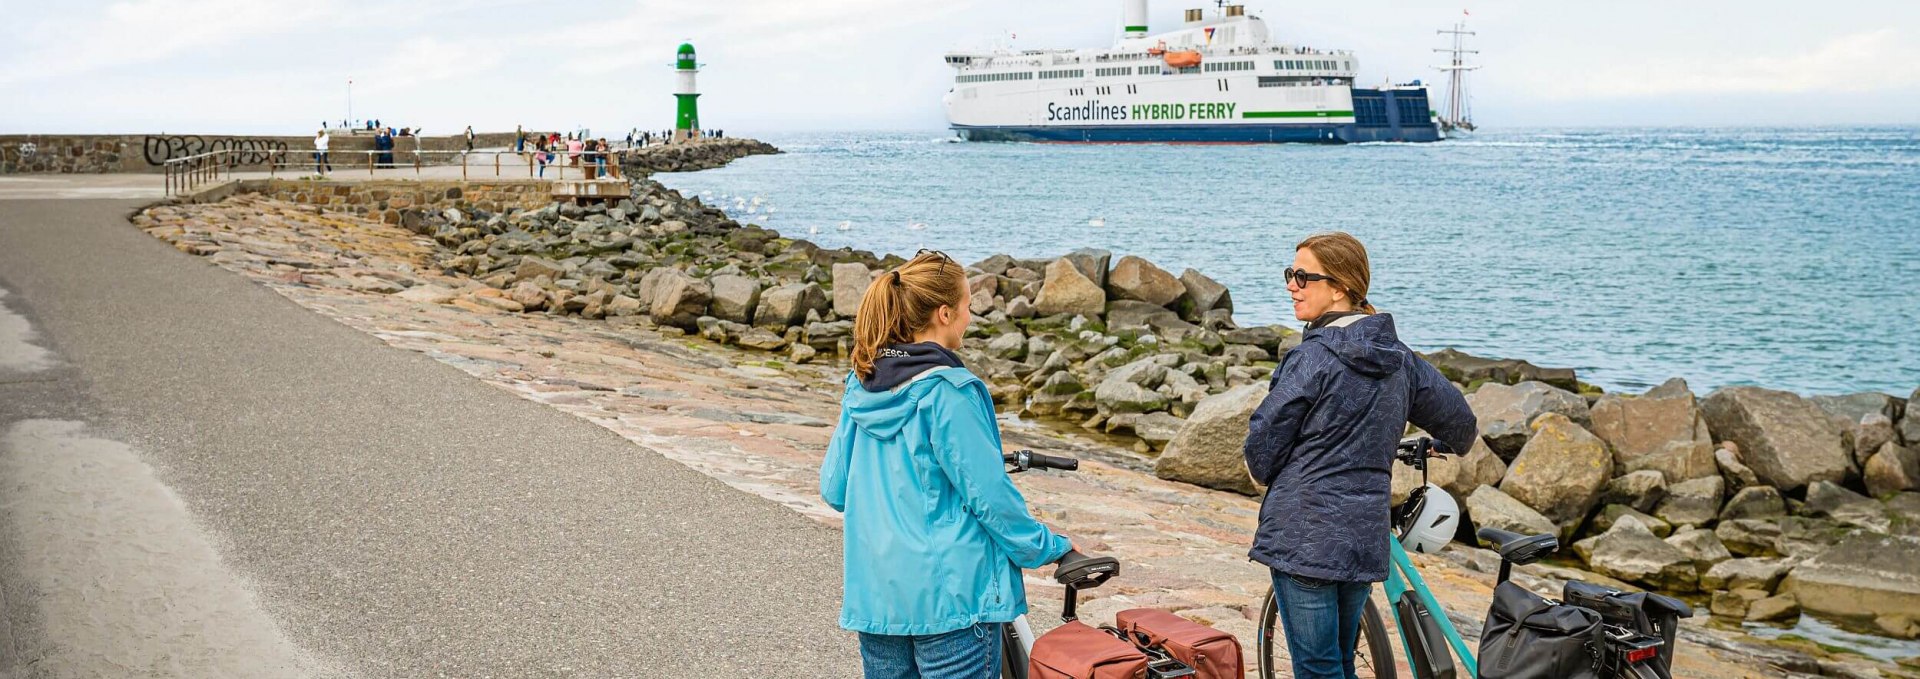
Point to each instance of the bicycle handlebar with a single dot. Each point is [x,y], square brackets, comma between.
[1023,460]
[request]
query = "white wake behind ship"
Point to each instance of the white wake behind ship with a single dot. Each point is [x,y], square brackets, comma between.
[1218,78]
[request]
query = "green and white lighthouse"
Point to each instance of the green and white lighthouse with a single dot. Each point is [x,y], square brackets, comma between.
[686,124]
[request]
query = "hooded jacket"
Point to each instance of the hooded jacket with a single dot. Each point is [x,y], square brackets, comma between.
[1323,441]
[935,533]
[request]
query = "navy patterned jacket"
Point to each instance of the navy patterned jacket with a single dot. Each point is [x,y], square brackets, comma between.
[1322,442]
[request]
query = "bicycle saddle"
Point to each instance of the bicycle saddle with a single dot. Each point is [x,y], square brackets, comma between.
[1083,571]
[1517,548]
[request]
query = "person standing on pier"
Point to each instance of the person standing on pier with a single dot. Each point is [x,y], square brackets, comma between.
[469,138]
[320,161]
[519,139]
[914,466]
[1322,442]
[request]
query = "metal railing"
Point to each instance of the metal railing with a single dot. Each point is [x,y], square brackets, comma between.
[188,173]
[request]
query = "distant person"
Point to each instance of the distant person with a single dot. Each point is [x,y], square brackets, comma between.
[629,140]
[574,147]
[469,138]
[321,163]
[383,142]
[519,140]
[542,155]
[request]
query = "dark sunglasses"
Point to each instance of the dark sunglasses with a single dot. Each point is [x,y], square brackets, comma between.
[1301,278]
[944,259]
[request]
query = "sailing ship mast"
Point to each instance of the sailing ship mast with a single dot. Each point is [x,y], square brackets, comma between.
[1457,114]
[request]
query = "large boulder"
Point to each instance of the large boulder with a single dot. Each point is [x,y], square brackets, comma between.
[734,297]
[1869,434]
[1893,469]
[1561,470]
[1466,368]
[1092,263]
[1067,291]
[1203,294]
[1749,537]
[679,299]
[850,281]
[1488,507]
[1755,502]
[1630,551]
[1506,413]
[1736,473]
[1210,448]
[1116,396]
[1864,576]
[1762,573]
[531,267]
[1853,407]
[1693,502]
[1827,500]
[1787,440]
[1910,420]
[1604,519]
[1641,490]
[1055,393]
[787,305]
[1138,279]
[1700,546]
[1662,430]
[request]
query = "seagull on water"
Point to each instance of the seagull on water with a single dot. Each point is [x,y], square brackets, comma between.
[916,226]
[1097,221]
[845,226]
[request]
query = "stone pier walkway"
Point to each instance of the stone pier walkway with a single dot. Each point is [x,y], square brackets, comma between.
[201,478]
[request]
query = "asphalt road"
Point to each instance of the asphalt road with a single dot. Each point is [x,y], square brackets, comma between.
[392,516]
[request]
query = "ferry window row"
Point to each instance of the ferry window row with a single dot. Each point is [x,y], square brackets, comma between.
[1067,73]
[1213,66]
[1296,64]
[1113,71]
[1148,70]
[996,77]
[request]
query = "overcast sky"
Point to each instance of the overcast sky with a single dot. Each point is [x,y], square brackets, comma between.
[208,66]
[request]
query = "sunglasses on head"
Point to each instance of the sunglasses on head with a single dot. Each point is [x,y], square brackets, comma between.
[1301,278]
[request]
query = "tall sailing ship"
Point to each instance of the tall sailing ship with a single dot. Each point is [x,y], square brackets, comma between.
[1219,77]
[1457,114]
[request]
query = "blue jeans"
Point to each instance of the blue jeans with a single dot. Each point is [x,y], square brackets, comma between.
[966,653]
[1321,619]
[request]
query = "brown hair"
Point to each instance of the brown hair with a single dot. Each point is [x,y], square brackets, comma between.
[1345,259]
[902,302]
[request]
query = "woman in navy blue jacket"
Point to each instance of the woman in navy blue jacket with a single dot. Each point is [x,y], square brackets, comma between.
[1322,443]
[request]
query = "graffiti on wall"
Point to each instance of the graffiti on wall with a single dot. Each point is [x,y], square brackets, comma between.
[246,150]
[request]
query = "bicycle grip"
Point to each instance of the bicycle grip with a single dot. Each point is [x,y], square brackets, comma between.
[1042,461]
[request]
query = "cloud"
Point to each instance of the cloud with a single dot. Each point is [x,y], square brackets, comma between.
[144,31]
[1858,62]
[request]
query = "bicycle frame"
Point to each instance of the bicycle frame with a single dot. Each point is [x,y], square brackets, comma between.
[1403,578]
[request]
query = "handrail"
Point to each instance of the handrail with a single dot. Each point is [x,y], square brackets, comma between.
[187,173]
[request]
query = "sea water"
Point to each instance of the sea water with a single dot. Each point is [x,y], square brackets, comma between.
[1787,258]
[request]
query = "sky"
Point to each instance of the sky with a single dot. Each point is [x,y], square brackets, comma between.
[282,66]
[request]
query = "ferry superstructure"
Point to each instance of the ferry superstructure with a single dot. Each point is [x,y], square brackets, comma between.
[1218,78]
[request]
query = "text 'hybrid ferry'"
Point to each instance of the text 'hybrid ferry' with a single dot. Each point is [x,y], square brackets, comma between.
[1215,79]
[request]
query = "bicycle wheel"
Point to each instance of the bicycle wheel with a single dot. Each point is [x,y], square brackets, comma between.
[1373,655]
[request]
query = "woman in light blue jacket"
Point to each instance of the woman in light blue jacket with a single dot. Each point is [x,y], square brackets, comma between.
[936,534]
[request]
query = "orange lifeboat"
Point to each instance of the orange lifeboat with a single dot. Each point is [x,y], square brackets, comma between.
[1182,59]
[1158,49]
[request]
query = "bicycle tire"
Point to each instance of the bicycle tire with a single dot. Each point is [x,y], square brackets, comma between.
[1013,657]
[1373,654]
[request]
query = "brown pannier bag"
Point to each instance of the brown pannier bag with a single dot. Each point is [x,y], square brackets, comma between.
[1211,653]
[1076,651]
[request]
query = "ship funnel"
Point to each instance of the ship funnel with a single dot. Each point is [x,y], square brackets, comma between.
[1196,15]
[1236,10]
[1133,18]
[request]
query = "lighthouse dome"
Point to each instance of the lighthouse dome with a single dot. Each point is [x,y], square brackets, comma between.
[684,60]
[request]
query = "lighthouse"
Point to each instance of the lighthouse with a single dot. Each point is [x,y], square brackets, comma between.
[686,124]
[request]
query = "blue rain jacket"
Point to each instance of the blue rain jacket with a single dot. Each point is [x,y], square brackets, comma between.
[936,534]
[1323,440]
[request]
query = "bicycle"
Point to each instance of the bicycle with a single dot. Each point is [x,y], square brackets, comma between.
[1074,570]
[1422,622]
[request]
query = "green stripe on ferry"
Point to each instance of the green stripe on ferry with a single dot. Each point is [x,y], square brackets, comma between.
[1297,114]
[1141,29]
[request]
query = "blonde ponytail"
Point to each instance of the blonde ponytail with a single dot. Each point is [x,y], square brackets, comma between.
[901,302]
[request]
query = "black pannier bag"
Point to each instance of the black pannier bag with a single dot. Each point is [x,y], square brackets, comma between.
[1530,637]
[1647,613]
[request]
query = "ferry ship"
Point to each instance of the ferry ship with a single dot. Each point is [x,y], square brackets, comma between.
[1218,78]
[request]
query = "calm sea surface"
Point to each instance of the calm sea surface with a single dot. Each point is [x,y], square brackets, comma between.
[1788,258]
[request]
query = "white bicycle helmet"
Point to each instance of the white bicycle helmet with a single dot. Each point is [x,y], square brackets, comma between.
[1429,520]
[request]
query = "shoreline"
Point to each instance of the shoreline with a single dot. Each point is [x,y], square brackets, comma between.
[666,312]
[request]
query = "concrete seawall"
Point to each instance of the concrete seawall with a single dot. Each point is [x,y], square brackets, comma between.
[103,153]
